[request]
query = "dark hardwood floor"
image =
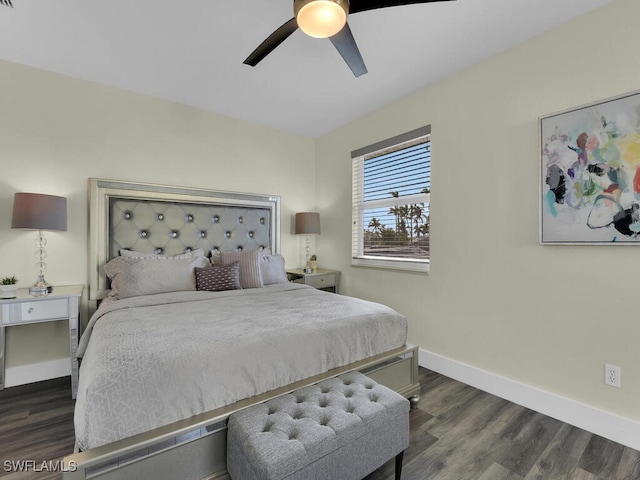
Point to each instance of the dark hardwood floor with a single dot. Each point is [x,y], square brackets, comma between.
[36,424]
[461,433]
[457,433]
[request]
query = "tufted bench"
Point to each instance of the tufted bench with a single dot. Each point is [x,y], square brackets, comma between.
[341,428]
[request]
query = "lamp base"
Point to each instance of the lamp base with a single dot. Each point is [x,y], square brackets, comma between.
[41,287]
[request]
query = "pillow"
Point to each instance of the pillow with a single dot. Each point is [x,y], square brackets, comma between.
[198,252]
[216,279]
[250,276]
[133,276]
[272,269]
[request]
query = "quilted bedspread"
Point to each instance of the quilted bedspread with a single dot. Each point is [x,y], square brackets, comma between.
[151,360]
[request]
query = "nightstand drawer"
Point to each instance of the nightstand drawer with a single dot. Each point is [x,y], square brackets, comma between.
[321,281]
[35,310]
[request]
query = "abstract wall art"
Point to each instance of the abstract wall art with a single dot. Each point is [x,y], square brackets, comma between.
[590,173]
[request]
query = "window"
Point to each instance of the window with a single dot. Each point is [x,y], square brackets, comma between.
[391,188]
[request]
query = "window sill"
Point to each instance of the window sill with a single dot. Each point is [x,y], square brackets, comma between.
[409,266]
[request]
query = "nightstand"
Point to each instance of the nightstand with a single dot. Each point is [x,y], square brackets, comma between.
[61,304]
[328,280]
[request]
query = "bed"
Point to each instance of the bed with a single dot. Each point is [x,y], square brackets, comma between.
[164,362]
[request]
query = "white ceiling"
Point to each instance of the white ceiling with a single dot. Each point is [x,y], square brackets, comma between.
[191,51]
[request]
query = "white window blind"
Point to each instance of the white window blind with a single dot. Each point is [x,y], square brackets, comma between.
[390,205]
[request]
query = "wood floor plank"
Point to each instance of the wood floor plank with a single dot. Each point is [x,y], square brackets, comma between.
[510,420]
[449,415]
[530,443]
[629,466]
[472,456]
[498,472]
[561,455]
[580,474]
[601,457]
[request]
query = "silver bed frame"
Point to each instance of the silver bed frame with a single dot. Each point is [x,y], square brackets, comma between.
[168,220]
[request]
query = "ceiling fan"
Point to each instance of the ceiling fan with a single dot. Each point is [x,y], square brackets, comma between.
[327,19]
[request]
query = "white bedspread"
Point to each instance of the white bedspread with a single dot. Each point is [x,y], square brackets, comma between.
[152,360]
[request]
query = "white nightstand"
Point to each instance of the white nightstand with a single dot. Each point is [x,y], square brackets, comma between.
[320,278]
[61,304]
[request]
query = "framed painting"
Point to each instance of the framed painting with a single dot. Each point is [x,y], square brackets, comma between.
[590,174]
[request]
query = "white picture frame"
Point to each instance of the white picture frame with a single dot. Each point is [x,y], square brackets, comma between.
[590,174]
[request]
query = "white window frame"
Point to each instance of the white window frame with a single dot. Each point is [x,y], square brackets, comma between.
[359,206]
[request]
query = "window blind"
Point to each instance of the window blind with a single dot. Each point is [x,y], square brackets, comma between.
[391,192]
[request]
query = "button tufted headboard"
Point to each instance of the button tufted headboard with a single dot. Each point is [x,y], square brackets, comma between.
[170,220]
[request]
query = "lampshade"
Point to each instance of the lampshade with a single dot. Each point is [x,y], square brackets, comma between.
[321,18]
[37,211]
[308,223]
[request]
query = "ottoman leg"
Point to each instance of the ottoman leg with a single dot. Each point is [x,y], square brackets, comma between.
[399,458]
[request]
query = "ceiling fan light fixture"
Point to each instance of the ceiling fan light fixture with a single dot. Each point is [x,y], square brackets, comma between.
[321,18]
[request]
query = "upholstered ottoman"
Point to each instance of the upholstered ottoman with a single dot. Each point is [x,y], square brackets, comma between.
[342,428]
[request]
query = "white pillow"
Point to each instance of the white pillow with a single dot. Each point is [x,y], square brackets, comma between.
[133,276]
[272,269]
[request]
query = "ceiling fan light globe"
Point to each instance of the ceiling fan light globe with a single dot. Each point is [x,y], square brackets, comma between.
[321,18]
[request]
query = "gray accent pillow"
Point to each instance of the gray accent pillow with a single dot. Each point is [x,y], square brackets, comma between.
[134,276]
[218,278]
[272,269]
[250,276]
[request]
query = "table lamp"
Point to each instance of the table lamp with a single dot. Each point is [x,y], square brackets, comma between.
[36,211]
[307,223]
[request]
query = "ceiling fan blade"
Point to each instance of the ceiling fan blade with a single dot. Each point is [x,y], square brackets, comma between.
[356,6]
[272,41]
[346,45]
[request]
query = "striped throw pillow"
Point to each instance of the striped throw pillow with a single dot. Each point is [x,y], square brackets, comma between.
[250,275]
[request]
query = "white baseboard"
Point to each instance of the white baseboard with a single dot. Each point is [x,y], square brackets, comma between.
[36,372]
[608,425]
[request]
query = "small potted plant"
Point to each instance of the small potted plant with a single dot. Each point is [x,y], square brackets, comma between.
[313,262]
[8,286]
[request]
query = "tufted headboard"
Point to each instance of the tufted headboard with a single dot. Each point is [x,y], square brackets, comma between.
[170,220]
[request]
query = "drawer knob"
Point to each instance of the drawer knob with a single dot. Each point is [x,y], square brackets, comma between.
[30,310]
[322,279]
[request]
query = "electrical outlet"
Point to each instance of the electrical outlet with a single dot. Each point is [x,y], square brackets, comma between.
[612,375]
